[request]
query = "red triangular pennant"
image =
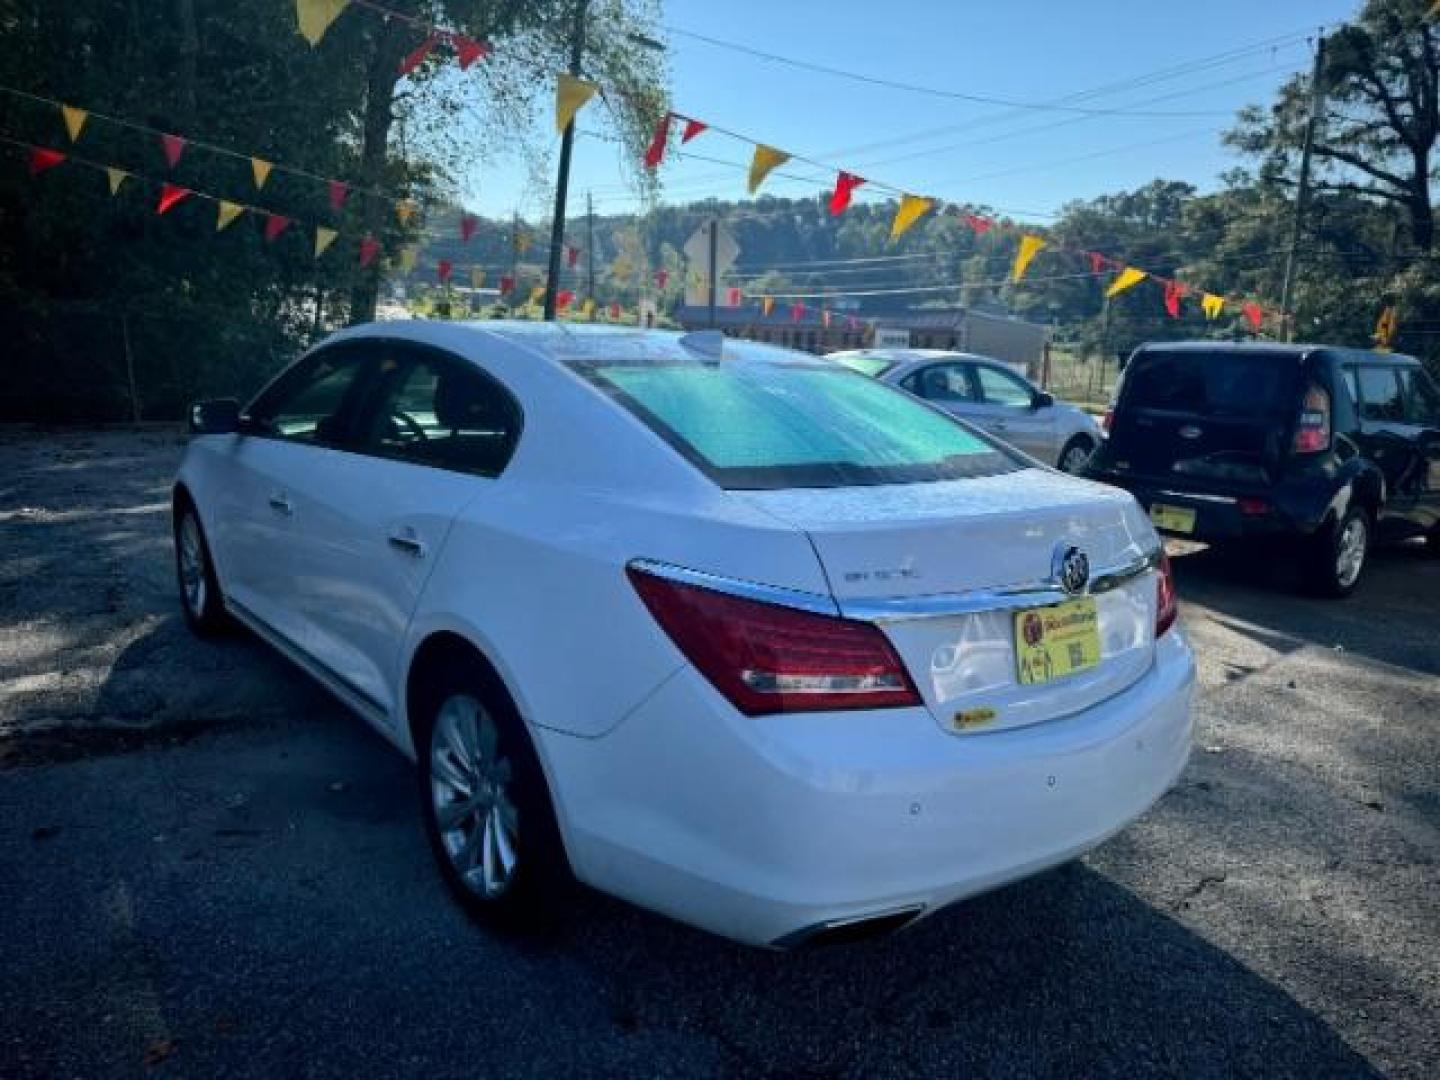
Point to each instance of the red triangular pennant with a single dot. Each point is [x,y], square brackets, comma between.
[615,311]
[173,146]
[275,224]
[797,312]
[845,185]
[42,160]
[369,248]
[1174,291]
[572,255]
[979,225]
[507,282]
[692,128]
[444,269]
[1097,262]
[468,50]
[1254,315]
[662,277]
[733,296]
[656,151]
[468,225]
[414,59]
[563,299]
[339,192]
[170,194]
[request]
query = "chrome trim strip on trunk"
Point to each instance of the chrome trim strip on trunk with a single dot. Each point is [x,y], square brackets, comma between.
[1007,598]
[1225,500]
[746,590]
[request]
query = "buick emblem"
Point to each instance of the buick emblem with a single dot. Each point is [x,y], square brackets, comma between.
[1071,569]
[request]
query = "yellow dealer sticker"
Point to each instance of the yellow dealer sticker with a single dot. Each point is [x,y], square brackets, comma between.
[1177,519]
[1052,642]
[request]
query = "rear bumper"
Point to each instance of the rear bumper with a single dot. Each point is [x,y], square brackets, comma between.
[1293,510]
[759,828]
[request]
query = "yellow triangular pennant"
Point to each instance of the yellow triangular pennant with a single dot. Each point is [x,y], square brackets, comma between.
[1127,277]
[408,255]
[74,121]
[1029,247]
[261,169]
[1212,305]
[537,293]
[767,305]
[477,277]
[315,17]
[116,177]
[522,242]
[229,211]
[405,210]
[587,309]
[766,159]
[912,208]
[323,239]
[570,94]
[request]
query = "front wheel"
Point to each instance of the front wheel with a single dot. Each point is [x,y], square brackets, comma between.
[1338,554]
[200,597]
[1076,455]
[486,805]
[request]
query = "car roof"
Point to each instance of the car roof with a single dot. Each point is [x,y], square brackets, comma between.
[915,356]
[1298,350]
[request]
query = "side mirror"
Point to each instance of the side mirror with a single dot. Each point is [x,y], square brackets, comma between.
[1042,400]
[218,417]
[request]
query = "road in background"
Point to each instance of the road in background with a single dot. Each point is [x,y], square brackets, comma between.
[211,869]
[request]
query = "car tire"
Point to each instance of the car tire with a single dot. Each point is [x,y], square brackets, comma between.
[200,596]
[1338,554]
[1075,455]
[485,804]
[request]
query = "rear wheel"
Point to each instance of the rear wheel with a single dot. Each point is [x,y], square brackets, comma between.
[1076,454]
[1338,554]
[200,597]
[486,805]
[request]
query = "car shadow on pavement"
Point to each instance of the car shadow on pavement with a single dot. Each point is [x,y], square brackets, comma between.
[1257,592]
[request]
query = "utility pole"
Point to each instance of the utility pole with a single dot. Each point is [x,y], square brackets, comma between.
[1302,196]
[590,245]
[714,260]
[514,257]
[562,182]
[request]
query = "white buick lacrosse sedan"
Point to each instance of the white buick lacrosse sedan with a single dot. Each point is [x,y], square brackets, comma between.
[744,637]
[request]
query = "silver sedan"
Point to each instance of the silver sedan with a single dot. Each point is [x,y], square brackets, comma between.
[989,395]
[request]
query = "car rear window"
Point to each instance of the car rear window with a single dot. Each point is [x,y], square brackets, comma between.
[761,425]
[1213,383]
[865,365]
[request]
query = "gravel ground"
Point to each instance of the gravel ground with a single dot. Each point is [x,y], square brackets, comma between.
[208,869]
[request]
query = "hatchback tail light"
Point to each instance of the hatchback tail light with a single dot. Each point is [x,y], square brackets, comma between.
[1312,430]
[768,658]
[1107,422]
[1167,602]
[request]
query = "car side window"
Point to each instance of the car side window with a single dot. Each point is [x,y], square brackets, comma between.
[1352,384]
[1002,388]
[439,411]
[1380,398]
[1422,399]
[944,383]
[311,402]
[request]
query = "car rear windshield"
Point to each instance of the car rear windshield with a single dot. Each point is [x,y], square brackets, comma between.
[864,364]
[762,425]
[1213,383]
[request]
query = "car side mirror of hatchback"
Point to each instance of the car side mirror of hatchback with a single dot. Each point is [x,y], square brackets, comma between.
[218,417]
[1042,400]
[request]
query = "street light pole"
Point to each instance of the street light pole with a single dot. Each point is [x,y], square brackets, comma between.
[562,182]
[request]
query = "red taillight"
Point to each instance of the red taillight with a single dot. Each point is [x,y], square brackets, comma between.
[1108,420]
[1253,507]
[1167,604]
[1312,430]
[766,658]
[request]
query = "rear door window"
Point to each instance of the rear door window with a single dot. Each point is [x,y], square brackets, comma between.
[1380,398]
[1422,398]
[944,384]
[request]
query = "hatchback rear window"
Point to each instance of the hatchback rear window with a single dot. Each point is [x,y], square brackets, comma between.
[1213,383]
[760,425]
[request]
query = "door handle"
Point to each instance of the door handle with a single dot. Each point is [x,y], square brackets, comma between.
[405,540]
[280,503]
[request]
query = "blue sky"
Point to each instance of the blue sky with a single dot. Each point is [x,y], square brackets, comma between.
[1027,161]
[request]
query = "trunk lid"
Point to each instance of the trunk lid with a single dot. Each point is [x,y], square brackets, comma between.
[1217,417]
[916,546]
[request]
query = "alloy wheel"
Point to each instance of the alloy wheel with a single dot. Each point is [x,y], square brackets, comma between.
[1074,459]
[192,566]
[470,791]
[1350,552]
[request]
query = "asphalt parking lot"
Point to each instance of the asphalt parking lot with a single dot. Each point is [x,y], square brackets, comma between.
[208,869]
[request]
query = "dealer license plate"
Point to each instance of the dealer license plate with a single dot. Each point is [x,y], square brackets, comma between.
[1052,642]
[1179,519]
